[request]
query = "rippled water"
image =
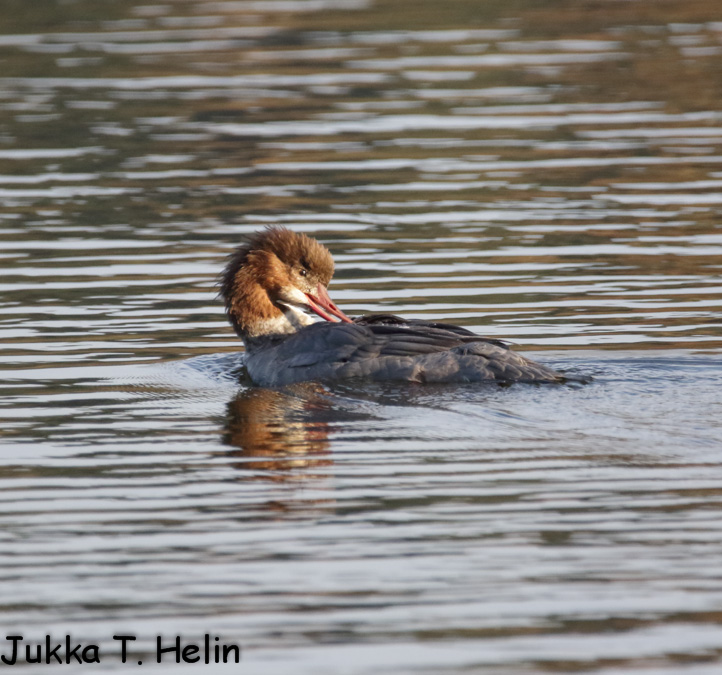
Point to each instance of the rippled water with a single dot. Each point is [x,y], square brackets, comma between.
[549,173]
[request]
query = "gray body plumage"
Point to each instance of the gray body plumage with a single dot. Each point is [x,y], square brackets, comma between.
[387,348]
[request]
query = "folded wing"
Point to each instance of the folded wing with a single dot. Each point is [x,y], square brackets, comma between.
[385,347]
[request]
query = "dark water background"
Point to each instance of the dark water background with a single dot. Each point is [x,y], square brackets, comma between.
[550,173]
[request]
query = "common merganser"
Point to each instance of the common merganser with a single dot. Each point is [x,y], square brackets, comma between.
[274,289]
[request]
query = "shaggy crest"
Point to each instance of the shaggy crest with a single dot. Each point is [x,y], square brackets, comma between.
[291,248]
[258,268]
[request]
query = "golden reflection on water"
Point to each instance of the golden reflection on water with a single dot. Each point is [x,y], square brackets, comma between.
[279,432]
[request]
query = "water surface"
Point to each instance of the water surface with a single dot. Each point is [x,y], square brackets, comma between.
[550,175]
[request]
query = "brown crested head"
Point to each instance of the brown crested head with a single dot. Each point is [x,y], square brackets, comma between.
[266,273]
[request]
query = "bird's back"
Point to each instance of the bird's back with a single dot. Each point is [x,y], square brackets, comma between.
[384,347]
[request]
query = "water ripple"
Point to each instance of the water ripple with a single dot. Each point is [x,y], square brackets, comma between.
[537,174]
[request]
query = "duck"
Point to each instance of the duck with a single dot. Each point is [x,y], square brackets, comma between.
[275,290]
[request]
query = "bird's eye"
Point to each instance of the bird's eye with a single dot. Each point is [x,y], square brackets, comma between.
[303,272]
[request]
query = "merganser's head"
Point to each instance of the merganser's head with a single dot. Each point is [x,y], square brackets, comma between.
[273,283]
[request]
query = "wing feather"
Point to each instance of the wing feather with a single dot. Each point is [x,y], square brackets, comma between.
[385,347]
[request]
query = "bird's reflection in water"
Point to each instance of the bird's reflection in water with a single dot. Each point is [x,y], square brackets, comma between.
[280,433]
